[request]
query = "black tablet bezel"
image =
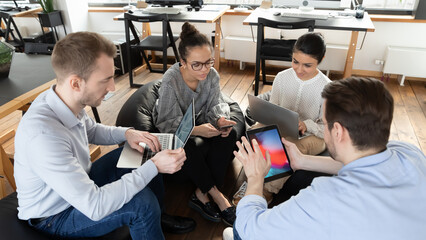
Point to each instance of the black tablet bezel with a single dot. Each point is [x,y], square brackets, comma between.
[267,128]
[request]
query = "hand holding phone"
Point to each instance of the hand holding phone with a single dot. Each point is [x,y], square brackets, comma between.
[223,128]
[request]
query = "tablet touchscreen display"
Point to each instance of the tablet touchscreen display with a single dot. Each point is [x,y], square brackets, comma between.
[269,139]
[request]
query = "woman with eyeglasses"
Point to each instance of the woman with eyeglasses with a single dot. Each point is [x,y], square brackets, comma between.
[209,150]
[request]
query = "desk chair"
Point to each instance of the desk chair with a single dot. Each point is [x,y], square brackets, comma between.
[153,43]
[7,32]
[275,49]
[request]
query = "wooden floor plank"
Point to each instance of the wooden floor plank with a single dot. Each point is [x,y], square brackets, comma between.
[415,114]
[419,89]
[402,122]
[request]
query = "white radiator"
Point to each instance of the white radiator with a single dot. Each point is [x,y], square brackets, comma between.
[240,48]
[405,61]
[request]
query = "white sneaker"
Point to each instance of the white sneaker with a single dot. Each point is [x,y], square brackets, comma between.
[228,234]
[239,194]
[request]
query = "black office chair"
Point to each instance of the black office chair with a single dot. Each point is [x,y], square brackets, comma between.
[11,32]
[275,49]
[153,43]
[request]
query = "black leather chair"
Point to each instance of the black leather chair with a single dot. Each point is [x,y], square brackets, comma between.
[137,110]
[151,42]
[275,49]
[14,229]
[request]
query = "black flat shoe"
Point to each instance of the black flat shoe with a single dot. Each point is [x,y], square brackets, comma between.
[209,211]
[177,224]
[228,216]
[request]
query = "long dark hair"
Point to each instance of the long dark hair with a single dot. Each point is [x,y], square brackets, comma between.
[311,44]
[190,37]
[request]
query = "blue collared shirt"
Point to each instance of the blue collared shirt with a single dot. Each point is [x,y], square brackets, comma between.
[382,196]
[52,163]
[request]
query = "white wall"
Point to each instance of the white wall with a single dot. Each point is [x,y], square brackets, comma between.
[388,34]
[74,13]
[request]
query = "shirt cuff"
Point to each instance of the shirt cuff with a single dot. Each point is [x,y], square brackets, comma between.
[310,126]
[121,132]
[250,199]
[148,170]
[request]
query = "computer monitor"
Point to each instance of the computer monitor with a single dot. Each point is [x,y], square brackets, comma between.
[321,4]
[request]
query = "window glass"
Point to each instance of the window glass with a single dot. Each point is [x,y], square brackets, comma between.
[390,4]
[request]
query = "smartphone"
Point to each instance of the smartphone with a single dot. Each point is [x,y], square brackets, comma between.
[226,127]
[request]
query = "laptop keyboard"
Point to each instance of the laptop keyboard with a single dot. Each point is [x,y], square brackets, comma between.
[148,153]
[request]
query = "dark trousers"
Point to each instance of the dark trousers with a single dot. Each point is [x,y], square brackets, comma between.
[297,181]
[207,160]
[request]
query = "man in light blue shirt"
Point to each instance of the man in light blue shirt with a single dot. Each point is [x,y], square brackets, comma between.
[60,192]
[378,190]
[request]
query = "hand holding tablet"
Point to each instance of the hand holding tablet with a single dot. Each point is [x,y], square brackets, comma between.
[269,139]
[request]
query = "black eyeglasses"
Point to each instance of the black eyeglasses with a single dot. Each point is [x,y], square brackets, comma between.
[197,66]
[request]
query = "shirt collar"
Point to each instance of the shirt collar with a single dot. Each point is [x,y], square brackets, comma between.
[370,160]
[62,111]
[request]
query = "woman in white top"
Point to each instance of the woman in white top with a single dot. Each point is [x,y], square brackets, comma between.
[299,89]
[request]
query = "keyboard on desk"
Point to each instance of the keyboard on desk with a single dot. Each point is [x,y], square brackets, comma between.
[296,13]
[162,10]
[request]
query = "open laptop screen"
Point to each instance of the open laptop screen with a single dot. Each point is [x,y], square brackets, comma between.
[185,128]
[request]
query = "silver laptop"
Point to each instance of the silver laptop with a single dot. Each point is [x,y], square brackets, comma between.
[268,113]
[131,158]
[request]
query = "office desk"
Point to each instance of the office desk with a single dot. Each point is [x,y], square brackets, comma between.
[339,23]
[25,13]
[207,14]
[29,76]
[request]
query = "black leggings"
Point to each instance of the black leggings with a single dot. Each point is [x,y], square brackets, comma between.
[296,182]
[207,160]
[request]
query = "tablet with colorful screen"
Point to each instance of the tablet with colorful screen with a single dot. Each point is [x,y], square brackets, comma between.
[269,139]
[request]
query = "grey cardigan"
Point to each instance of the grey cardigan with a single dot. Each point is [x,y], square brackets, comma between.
[175,97]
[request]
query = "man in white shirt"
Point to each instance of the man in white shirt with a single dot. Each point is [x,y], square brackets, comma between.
[60,192]
[378,190]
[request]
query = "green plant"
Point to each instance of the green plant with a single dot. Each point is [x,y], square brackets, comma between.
[6,53]
[47,5]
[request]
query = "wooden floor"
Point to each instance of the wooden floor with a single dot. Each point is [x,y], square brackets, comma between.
[409,125]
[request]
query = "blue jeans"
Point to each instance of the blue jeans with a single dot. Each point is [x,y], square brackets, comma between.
[142,214]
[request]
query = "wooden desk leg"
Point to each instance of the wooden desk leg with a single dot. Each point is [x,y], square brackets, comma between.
[351,55]
[217,43]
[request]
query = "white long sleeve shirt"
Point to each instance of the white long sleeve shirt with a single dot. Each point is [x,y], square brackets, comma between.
[52,163]
[303,97]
